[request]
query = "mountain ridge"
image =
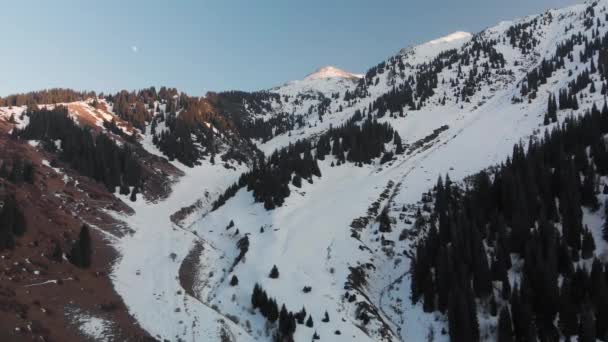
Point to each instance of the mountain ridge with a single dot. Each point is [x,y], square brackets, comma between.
[336,188]
[330,71]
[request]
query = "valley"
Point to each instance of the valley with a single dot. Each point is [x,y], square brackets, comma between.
[404,204]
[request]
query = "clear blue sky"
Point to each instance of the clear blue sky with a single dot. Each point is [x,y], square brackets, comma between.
[199,46]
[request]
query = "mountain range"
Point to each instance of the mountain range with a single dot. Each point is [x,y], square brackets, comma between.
[455,191]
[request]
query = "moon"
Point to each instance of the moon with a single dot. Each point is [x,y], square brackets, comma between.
[134,48]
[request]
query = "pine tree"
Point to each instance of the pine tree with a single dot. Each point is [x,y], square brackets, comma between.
[256,296]
[274,272]
[505,329]
[234,281]
[523,321]
[588,246]
[482,279]
[230,225]
[398,144]
[16,175]
[588,197]
[297,181]
[385,221]
[283,321]
[28,173]
[80,255]
[568,320]
[443,280]
[552,108]
[133,197]
[587,332]
[309,322]
[301,316]
[273,312]
[429,294]
[3,170]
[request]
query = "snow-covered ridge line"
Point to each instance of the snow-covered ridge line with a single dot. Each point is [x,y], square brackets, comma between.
[330,71]
[450,37]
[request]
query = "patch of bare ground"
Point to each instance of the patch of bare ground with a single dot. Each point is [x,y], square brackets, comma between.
[40,295]
[158,174]
[188,270]
[89,115]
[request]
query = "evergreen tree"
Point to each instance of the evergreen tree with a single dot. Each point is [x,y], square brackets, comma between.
[505,330]
[482,281]
[301,316]
[256,296]
[274,272]
[325,318]
[462,316]
[568,314]
[133,196]
[588,246]
[429,294]
[28,173]
[81,252]
[588,197]
[385,221]
[552,108]
[586,332]
[297,181]
[398,144]
[284,321]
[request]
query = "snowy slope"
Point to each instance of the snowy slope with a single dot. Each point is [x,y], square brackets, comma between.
[147,274]
[312,90]
[309,237]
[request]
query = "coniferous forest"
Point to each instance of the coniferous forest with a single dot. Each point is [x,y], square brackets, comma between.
[528,210]
[95,156]
[290,213]
[48,96]
[355,141]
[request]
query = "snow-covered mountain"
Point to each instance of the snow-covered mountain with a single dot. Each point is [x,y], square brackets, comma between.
[342,238]
[458,104]
[459,108]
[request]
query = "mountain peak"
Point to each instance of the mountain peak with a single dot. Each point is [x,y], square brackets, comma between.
[458,35]
[330,71]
